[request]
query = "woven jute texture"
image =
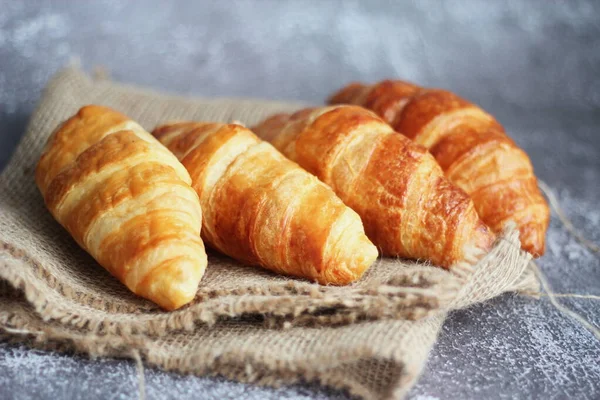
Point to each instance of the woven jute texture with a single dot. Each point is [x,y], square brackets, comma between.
[247,324]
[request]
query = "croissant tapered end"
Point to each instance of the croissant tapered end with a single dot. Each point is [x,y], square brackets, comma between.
[355,254]
[532,222]
[175,283]
[386,98]
[127,201]
[351,91]
[532,238]
[479,240]
[273,121]
[262,209]
[473,149]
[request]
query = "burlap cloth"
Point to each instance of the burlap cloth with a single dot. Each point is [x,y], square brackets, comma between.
[371,338]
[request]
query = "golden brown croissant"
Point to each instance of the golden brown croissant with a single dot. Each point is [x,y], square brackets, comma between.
[471,147]
[127,201]
[407,205]
[263,209]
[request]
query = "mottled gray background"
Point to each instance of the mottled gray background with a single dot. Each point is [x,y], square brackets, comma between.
[534,64]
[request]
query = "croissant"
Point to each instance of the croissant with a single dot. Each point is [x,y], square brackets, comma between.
[408,207]
[263,209]
[127,201]
[471,147]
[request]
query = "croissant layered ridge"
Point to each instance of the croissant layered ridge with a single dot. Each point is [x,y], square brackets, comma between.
[263,209]
[127,201]
[408,207]
[473,149]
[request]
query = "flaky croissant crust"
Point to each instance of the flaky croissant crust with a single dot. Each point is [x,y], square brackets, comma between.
[127,201]
[408,207]
[263,209]
[471,147]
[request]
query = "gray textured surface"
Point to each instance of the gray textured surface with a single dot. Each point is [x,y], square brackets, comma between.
[537,68]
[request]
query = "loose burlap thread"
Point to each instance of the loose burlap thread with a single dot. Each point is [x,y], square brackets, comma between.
[371,338]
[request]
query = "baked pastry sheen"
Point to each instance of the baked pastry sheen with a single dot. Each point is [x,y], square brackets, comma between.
[408,207]
[127,201]
[263,209]
[471,147]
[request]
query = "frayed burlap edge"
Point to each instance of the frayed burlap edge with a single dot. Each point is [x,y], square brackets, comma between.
[17,328]
[409,295]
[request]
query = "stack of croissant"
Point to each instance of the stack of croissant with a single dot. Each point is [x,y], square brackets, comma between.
[318,194]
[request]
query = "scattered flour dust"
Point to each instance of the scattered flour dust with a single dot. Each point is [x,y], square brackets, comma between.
[20,364]
[565,353]
[27,373]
